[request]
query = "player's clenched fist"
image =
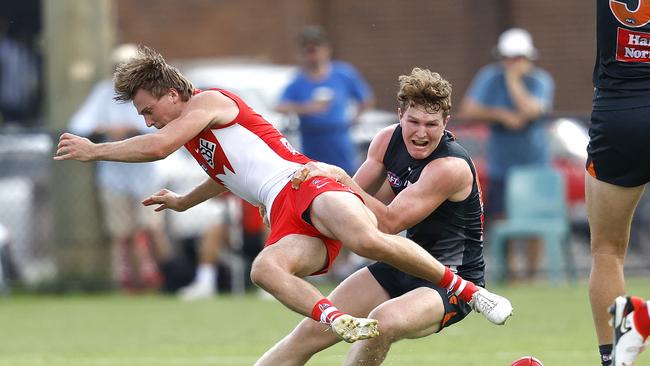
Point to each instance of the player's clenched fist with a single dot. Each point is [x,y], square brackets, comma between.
[73,147]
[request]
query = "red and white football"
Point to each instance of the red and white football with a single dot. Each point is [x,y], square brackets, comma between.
[527,361]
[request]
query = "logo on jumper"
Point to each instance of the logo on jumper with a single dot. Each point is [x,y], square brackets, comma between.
[632,46]
[214,156]
[393,179]
[206,148]
[632,18]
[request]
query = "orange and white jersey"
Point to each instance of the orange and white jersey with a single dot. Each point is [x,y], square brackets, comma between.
[248,156]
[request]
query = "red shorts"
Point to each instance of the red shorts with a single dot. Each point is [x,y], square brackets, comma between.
[287,214]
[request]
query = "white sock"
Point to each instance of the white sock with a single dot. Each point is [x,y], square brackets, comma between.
[206,275]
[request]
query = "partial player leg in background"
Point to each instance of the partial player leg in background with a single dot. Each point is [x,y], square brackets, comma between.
[610,210]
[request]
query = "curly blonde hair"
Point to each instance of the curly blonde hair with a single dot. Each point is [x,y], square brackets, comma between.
[426,88]
[149,71]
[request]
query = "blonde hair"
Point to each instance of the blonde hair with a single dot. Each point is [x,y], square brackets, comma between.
[425,88]
[147,70]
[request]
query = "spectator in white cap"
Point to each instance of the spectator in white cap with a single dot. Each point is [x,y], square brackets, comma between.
[516,42]
[513,96]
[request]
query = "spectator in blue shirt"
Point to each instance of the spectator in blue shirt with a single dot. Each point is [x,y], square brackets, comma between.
[513,96]
[321,95]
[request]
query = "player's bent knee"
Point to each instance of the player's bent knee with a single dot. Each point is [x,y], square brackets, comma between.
[390,326]
[255,276]
[262,271]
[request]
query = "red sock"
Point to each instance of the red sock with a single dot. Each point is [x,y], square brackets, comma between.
[456,284]
[641,317]
[325,312]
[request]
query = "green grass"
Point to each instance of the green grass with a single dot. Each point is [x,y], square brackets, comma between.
[551,323]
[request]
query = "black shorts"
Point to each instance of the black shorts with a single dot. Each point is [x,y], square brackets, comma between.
[397,283]
[619,146]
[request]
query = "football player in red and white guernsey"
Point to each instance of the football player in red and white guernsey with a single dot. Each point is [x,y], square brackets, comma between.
[243,153]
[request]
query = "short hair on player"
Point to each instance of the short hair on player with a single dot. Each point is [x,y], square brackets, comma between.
[149,71]
[426,88]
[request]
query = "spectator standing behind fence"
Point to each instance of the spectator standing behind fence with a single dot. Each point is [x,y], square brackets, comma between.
[512,95]
[138,240]
[320,95]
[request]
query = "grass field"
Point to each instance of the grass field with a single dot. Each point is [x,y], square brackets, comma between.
[551,323]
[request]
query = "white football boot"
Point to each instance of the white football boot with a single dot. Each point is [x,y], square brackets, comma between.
[628,342]
[495,308]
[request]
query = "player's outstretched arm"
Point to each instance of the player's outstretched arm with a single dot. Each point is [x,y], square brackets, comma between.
[203,110]
[167,199]
[140,148]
